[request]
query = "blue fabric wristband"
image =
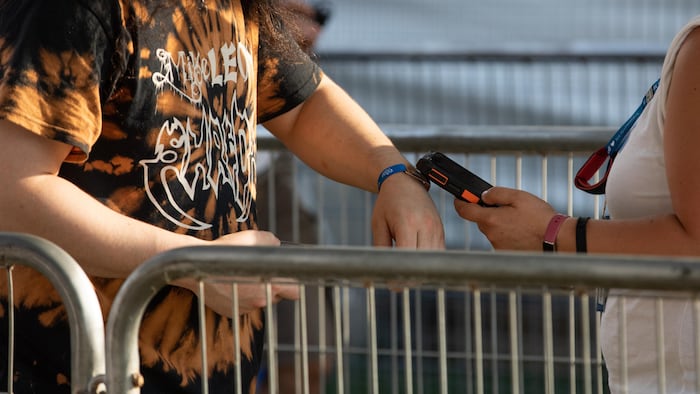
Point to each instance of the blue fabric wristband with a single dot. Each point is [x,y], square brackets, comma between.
[389,171]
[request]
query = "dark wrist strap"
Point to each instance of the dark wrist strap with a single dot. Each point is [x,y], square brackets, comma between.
[581,242]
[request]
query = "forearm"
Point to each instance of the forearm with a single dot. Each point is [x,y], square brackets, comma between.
[661,235]
[104,242]
[333,135]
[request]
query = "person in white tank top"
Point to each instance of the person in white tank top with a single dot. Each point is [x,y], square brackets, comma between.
[653,188]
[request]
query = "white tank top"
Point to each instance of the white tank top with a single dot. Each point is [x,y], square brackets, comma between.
[637,187]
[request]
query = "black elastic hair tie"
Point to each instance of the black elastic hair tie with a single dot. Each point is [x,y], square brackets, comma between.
[581,243]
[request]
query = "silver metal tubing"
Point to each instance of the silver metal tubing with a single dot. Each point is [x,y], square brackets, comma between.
[486,139]
[78,295]
[377,265]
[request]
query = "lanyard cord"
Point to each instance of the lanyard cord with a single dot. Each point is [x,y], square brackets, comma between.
[610,150]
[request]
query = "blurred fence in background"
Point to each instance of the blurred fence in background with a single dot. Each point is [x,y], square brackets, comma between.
[496,87]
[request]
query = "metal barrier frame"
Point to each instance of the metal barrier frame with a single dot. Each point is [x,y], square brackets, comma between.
[370,265]
[78,295]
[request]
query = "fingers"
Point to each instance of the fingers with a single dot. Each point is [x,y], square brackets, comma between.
[405,216]
[495,196]
[249,238]
[469,211]
[381,236]
[286,292]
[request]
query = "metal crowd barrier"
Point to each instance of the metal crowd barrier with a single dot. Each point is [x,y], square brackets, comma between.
[82,307]
[478,363]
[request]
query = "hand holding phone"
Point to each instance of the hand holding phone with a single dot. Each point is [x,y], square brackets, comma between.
[452,177]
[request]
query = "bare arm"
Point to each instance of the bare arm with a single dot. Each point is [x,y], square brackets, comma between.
[35,200]
[521,223]
[677,234]
[337,138]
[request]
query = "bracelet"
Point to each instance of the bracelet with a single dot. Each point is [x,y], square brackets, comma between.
[581,243]
[550,235]
[402,168]
[418,176]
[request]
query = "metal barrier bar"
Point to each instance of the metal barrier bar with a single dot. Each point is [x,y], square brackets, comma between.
[78,295]
[483,139]
[446,268]
[540,54]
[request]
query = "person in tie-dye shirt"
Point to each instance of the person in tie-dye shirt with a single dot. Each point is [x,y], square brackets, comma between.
[128,129]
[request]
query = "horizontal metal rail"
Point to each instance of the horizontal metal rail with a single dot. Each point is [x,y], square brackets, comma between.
[482,139]
[370,266]
[613,54]
[78,295]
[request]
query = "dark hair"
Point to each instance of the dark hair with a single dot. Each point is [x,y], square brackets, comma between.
[274,20]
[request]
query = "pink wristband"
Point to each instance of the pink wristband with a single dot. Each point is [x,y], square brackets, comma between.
[550,235]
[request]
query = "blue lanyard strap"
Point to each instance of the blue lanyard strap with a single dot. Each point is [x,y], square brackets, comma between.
[610,150]
[618,140]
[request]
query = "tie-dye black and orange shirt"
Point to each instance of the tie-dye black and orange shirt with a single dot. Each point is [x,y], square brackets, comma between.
[160,101]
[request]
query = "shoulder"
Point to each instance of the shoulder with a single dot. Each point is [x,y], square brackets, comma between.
[686,58]
[682,58]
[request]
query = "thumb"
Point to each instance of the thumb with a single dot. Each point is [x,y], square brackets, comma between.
[500,196]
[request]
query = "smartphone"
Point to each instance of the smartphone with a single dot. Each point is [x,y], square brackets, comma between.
[452,177]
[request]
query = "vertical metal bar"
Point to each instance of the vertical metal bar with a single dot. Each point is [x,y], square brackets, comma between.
[544,177]
[572,342]
[298,369]
[661,355]
[622,334]
[469,373]
[393,329]
[598,352]
[521,351]
[586,343]
[495,378]
[322,340]
[408,367]
[371,311]
[419,341]
[514,342]
[273,384]
[346,331]
[548,340]
[236,337]
[696,330]
[10,330]
[478,343]
[203,338]
[304,339]
[339,341]
[494,170]
[442,338]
